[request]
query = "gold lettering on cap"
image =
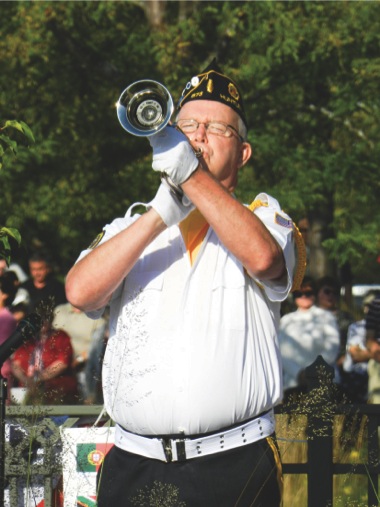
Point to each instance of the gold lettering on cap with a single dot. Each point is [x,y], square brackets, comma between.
[210,86]
[230,101]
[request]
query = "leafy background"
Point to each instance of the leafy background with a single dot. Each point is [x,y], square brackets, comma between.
[309,72]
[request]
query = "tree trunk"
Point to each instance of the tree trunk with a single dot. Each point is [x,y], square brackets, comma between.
[320,221]
[154,11]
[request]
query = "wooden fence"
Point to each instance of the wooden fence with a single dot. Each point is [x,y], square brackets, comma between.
[321,408]
[33,460]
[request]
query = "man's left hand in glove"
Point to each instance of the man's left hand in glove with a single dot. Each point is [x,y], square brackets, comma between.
[173,155]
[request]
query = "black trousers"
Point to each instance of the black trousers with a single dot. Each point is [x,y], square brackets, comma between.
[248,476]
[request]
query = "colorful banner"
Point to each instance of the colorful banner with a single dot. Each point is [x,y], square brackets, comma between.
[84,450]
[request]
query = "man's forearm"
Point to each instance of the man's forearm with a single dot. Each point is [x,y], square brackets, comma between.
[91,281]
[236,226]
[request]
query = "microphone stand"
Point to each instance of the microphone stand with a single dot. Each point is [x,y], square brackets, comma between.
[26,330]
[3,400]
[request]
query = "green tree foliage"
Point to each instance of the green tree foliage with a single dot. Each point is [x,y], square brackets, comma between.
[9,143]
[309,71]
[69,62]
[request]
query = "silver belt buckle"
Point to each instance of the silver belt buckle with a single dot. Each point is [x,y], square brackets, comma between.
[180,448]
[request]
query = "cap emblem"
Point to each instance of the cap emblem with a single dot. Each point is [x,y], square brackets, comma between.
[194,82]
[232,90]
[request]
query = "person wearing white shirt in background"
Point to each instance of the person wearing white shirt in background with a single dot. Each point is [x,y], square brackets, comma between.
[355,361]
[372,324]
[304,335]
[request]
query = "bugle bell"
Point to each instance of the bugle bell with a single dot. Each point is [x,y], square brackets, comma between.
[144,108]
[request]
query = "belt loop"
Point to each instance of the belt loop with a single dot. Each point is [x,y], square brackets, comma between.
[166,444]
[181,450]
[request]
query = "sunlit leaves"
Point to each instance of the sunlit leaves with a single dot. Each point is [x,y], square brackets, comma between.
[9,139]
[309,72]
[7,233]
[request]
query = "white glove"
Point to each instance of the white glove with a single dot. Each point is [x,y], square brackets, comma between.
[169,207]
[173,154]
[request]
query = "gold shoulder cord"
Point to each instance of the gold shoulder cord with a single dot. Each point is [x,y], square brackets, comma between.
[301,259]
[300,245]
[257,204]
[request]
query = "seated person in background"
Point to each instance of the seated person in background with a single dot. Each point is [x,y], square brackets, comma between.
[44,366]
[81,329]
[355,362]
[304,335]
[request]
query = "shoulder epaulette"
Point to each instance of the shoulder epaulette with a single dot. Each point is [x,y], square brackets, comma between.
[300,246]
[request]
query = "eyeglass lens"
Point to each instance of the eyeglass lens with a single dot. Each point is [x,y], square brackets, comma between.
[300,293]
[328,291]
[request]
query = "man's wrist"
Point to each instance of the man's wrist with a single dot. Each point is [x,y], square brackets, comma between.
[192,174]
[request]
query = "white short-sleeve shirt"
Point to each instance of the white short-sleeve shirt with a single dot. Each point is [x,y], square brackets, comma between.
[193,348]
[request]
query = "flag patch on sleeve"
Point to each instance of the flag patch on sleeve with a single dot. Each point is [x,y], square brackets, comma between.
[284,222]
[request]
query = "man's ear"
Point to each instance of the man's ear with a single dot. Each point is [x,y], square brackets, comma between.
[245,154]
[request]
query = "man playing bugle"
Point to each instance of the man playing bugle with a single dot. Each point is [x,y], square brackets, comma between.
[192,368]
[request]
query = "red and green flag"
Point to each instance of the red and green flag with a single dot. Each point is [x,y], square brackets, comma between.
[91,456]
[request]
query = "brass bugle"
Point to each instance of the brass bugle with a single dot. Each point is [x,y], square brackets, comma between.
[144,108]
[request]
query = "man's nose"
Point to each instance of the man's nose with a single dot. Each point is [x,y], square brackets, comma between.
[201,133]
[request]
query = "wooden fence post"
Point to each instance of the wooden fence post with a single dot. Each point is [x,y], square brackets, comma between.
[319,375]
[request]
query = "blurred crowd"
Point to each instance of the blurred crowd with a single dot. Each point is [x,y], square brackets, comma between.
[319,326]
[316,322]
[62,363]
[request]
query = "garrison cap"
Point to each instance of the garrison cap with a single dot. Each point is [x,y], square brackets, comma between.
[212,84]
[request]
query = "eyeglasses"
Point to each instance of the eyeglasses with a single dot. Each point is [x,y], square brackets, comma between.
[216,128]
[300,293]
[328,292]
